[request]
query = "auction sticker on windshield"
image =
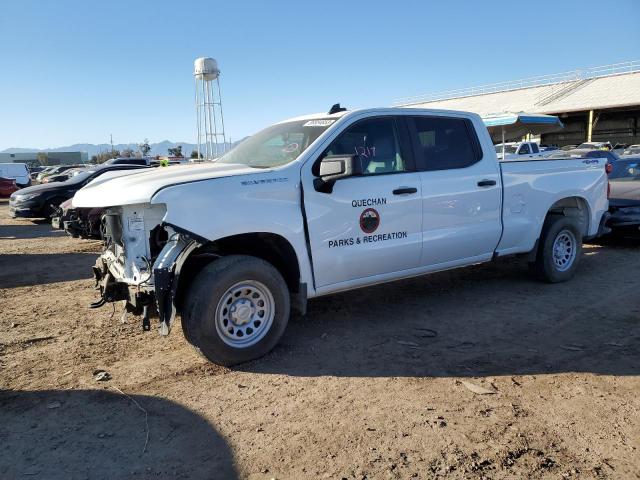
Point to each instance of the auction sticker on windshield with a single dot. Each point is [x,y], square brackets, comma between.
[319,123]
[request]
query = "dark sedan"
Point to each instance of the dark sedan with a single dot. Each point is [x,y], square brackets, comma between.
[41,201]
[624,197]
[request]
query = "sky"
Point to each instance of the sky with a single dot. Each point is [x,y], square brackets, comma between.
[78,71]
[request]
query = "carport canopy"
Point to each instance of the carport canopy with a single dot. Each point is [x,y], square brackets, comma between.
[511,125]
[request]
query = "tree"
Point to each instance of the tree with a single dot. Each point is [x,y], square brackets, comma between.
[194,154]
[104,156]
[43,159]
[176,152]
[144,147]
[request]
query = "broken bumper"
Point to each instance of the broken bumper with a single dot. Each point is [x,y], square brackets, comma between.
[158,291]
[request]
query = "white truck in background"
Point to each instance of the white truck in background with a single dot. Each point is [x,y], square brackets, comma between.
[518,151]
[327,203]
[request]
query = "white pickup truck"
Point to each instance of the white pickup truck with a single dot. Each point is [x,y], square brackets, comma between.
[518,151]
[326,203]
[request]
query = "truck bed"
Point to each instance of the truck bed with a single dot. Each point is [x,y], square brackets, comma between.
[532,187]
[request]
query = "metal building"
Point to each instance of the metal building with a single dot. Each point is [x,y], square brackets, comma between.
[595,104]
[45,158]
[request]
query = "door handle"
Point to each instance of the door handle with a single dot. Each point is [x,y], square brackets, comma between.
[404,190]
[486,183]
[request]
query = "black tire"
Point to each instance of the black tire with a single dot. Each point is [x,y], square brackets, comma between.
[549,268]
[205,295]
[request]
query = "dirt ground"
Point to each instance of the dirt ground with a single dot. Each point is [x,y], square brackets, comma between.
[377,383]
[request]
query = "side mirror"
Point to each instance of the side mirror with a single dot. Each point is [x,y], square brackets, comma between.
[336,167]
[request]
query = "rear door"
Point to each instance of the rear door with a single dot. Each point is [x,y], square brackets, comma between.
[461,191]
[371,224]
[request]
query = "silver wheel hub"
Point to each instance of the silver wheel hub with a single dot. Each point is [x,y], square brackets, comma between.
[244,314]
[564,250]
[241,311]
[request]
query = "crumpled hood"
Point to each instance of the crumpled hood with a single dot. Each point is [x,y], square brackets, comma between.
[141,186]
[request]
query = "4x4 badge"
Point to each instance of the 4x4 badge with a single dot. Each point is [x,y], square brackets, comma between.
[369,220]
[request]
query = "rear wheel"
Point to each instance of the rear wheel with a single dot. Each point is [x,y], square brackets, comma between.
[559,249]
[236,309]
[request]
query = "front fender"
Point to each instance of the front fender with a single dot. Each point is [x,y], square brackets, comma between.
[268,202]
[166,274]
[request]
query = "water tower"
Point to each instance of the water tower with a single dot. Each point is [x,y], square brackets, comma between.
[210,121]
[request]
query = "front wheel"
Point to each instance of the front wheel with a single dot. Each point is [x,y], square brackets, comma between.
[236,309]
[559,250]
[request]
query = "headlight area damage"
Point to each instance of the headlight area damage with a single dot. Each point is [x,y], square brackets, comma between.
[141,262]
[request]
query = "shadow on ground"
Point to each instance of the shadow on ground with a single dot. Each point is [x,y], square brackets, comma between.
[37,229]
[19,270]
[490,319]
[101,435]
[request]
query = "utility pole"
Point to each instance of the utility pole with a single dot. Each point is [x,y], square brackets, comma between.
[111,135]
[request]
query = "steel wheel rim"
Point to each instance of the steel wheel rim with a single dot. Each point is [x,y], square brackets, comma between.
[564,250]
[244,314]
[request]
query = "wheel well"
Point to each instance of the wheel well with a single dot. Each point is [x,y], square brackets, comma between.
[270,247]
[574,207]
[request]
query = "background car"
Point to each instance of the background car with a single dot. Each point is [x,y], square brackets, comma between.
[127,161]
[624,196]
[42,201]
[632,150]
[34,171]
[594,146]
[611,156]
[65,175]
[36,175]
[54,170]
[78,222]
[17,171]
[7,186]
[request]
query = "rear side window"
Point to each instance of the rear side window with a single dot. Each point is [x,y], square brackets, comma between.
[444,143]
[534,148]
[524,149]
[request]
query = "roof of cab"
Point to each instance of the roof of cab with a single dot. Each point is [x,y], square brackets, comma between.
[387,110]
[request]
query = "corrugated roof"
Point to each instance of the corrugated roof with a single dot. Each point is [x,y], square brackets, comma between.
[620,90]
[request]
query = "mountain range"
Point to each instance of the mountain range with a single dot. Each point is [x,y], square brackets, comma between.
[160,148]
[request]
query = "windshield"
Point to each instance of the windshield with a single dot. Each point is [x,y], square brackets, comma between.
[507,149]
[80,177]
[625,170]
[277,145]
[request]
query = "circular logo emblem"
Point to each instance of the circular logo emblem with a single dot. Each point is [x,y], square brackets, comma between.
[369,220]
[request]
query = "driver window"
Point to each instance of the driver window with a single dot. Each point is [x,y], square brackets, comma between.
[375,142]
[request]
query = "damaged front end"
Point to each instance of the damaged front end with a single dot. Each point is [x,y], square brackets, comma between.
[141,263]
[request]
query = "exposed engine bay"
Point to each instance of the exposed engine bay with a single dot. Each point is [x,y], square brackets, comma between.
[140,262]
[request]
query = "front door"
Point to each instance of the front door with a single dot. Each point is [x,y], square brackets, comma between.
[369,224]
